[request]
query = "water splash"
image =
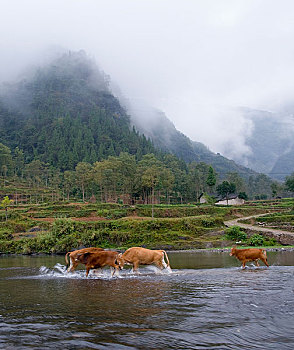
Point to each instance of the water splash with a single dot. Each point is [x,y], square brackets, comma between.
[60,271]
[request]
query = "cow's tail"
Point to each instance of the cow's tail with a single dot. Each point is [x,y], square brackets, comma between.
[166,257]
[265,257]
[66,260]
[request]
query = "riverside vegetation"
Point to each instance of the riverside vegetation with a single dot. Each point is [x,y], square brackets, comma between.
[64,226]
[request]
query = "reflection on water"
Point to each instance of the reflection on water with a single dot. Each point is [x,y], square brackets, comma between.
[207,302]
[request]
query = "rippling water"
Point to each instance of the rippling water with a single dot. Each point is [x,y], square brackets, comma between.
[206,302]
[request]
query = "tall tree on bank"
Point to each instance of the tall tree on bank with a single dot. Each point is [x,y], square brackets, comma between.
[225,189]
[150,178]
[197,176]
[235,178]
[290,183]
[167,182]
[5,203]
[83,175]
[5,157]
[211,178]
[68,182]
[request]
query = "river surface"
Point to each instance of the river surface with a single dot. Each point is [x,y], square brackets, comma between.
[206,302]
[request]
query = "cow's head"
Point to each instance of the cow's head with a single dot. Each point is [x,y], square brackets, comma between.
[233,251]
[119,260]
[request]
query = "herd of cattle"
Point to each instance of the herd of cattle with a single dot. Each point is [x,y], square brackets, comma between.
[96,258]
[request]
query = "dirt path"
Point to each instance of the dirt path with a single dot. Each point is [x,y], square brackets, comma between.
[283,237]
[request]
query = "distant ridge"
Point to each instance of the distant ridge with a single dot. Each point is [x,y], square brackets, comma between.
[154,124]
[271,142]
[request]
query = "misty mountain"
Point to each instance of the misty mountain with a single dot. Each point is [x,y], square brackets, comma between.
[64,113]
[271,143]
[155,125]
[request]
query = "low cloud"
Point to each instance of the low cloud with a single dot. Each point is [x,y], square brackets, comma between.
[194,60]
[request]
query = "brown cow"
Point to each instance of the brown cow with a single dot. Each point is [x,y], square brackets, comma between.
[99,259]
[74,262]
[141,256]
[249,254]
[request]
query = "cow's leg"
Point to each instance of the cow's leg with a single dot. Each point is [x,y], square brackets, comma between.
[264,261]
[75,264]
[87,271]
[160,264]
[135,266]
[163,263]
[72,266]
[257,263]
[243,264]
[115,271]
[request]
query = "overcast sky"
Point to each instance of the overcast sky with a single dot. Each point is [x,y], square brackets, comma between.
[190,58]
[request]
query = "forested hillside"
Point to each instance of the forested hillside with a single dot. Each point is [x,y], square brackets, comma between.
[65,114]
[63,132]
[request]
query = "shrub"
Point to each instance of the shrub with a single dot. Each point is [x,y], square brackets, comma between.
[5,235]
[269,242]
[234,233]
[63,227]
[256,240]
[8,247]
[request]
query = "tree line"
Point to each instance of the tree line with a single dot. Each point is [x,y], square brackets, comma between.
[127,178]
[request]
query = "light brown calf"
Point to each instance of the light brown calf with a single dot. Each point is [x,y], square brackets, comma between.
[249,254]
[141,256]
[73,257]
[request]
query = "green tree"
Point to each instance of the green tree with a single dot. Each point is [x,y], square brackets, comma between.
[107,175]
[243,195]
[35,171]
[262,186]
[274,188]
[235,178]
[98,177]
[5,203]
[226,188]
[179,170]
[83,176]
[18,161]
[289,183]
[167,182]
[197,176]
[211,178]
[5,156]
[127,171]
[150,178]
[4,170]
[68,181]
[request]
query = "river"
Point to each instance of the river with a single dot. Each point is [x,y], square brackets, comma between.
[206,302]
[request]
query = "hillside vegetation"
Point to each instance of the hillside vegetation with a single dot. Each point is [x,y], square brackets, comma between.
[60,227]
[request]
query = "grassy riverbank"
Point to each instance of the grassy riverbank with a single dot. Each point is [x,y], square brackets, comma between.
[60,227]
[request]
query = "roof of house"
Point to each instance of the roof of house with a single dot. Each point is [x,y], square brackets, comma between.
[230,196]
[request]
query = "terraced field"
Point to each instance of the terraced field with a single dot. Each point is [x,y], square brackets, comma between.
[59,227]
